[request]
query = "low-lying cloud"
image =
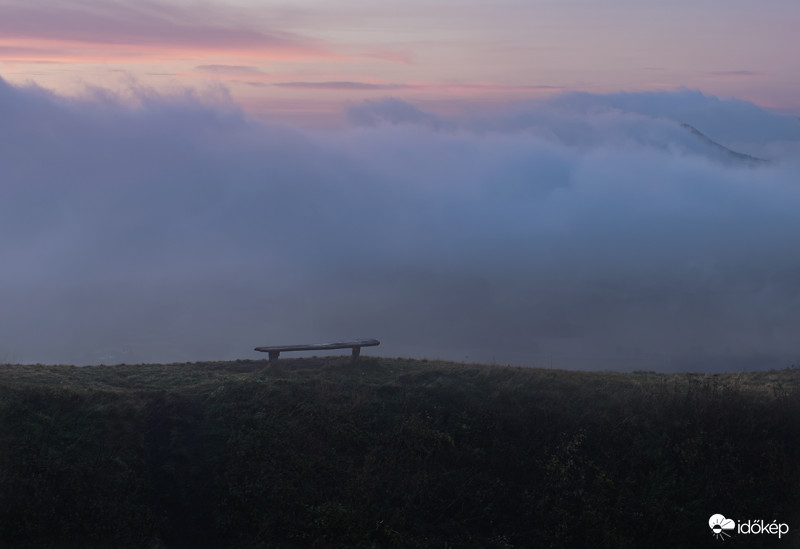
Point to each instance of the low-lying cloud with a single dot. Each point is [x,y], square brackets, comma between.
[581,231]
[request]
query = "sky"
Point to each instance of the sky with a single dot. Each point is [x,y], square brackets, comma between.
[305,61]
[532,183]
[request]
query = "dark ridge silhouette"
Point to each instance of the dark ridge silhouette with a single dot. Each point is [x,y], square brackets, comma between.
[728,154]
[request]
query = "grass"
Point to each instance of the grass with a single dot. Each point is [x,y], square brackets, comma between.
[391,453]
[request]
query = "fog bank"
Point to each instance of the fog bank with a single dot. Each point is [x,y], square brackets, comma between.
[581,231]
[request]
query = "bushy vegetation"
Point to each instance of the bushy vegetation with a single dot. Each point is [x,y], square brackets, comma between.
[391,453]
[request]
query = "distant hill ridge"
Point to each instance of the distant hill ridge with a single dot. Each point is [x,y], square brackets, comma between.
[731,154]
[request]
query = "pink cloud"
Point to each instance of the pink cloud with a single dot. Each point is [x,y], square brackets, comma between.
[30,53]
[734,73]
[124,31]
[236,70]
[443,87]
[342,85]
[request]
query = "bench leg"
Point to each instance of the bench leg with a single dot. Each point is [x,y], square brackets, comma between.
[356,353]
[273,357]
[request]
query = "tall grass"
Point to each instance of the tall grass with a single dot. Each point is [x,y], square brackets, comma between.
[390,453]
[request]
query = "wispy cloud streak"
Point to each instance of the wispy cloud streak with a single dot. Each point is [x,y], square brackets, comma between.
[342,85]
[124,30]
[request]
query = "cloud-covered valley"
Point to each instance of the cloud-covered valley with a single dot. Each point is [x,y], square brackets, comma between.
[624,231]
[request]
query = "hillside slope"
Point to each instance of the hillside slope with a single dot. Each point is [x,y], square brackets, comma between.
[391,453]
[722,152]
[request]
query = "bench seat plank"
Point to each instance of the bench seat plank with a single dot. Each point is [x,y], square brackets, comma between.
[276,350]
[320,346]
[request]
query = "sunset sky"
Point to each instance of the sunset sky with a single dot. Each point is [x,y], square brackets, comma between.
[305,61]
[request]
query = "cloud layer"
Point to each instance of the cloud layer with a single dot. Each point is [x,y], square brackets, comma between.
[582,231]
[105,32]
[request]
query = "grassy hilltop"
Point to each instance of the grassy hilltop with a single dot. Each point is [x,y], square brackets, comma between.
[392,453]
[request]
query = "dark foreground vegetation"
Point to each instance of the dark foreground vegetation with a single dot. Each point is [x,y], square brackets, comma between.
[392,453]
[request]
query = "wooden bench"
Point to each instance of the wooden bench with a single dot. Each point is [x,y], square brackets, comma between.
[276,350]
